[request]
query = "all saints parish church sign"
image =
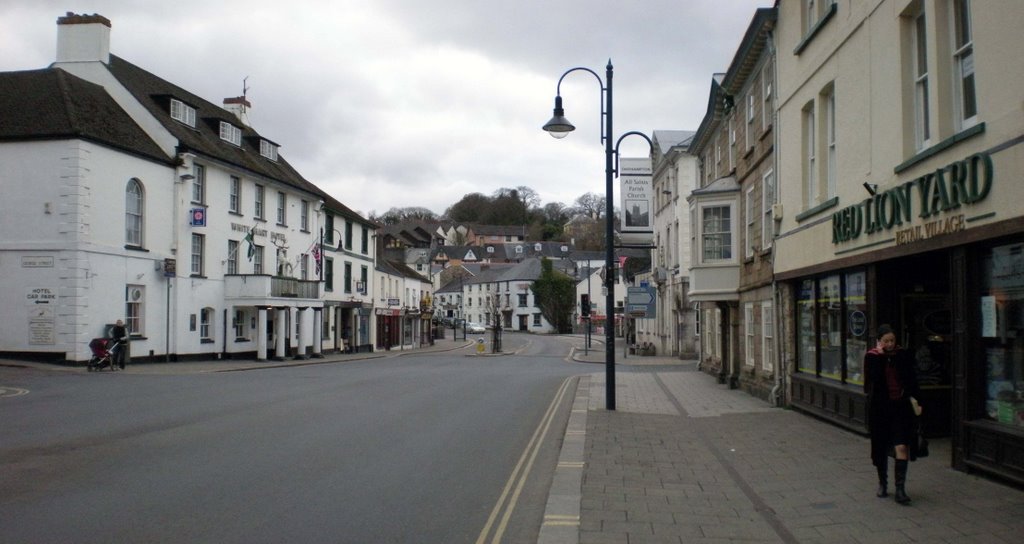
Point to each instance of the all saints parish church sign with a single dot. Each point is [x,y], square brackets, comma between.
[961,183]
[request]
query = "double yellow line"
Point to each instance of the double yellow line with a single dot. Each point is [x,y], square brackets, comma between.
[521,472]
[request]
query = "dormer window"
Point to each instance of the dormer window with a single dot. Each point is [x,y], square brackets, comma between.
[183,112]
[230,133]
[268,150]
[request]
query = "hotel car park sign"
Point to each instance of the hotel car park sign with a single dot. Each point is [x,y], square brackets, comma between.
[930,197]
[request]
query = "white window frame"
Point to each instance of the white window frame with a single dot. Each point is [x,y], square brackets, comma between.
[922,91]
[748,329]
[282,208]
[183,113]
[304,216]
[135,309]
[198,184]
[197,254]
[230,133]
[751,219]
[268,150]
[239,324]
[257,259]
[767,202]
[965,86]
[732,141]
[766,90]
[259,202]
[810,156]
[830,142]
[233,249]
[750,120]
[810,15]
[704,233]
[235,195]
[134,213]
[206,318]
[767,336]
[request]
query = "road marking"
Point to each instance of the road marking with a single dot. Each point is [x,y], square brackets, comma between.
[561,521]
[521,471]
[12,391]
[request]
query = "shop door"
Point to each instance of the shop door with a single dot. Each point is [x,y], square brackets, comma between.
[927,334]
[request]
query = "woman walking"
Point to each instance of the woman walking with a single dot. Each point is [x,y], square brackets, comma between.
[891,386]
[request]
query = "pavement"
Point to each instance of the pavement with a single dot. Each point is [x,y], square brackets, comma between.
[684,459]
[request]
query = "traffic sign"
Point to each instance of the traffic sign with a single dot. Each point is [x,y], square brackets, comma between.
[641,302]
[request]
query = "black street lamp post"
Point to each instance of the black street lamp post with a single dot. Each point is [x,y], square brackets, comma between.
[559,127]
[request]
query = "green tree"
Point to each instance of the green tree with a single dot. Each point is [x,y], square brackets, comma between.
[555,295]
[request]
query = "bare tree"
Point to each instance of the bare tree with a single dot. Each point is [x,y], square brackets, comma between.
[592,205]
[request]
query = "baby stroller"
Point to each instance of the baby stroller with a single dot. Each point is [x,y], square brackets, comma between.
[103,353]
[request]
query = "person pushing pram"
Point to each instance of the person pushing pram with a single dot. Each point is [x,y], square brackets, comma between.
[109,352]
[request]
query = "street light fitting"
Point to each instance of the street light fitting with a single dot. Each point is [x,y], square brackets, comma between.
[559,127]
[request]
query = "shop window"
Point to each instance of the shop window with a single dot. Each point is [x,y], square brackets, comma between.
[832,326]
[1002,333]
[829,327]
[807,355]
[857,334]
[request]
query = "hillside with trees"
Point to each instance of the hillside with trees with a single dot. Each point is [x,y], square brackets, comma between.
[582,223]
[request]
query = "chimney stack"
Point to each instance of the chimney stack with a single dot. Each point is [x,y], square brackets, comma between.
[83,38]
[238,105]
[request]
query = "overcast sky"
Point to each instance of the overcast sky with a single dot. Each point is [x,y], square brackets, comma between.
[399,103]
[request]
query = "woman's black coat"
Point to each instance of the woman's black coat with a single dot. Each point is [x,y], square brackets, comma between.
[879,407]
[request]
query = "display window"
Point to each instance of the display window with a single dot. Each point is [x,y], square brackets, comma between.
[830,331]
[1002,332]
[832,326]
[807,356]
[857,336]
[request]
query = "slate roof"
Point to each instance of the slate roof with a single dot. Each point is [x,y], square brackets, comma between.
[667,139]
[51,104]
[396,268]
[155,93]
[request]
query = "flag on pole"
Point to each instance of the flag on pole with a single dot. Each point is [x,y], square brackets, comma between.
[252,247]
[317,257]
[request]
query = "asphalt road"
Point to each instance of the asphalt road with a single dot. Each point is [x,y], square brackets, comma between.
[417,448]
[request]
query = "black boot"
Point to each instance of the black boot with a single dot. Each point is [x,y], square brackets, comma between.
[901,481]
[883,479]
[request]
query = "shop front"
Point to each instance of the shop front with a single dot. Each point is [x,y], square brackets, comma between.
[389,327]
[944,266]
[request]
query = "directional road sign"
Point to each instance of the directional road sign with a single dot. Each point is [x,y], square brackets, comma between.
[641,302]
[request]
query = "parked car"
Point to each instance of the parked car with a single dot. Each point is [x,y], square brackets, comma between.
[475,327]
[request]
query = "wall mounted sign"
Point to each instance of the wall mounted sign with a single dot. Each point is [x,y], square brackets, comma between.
[934,194]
